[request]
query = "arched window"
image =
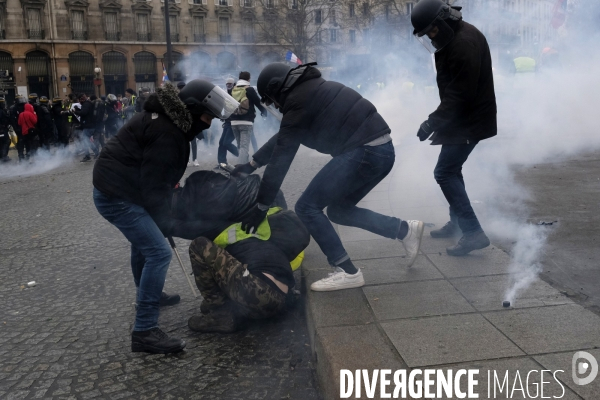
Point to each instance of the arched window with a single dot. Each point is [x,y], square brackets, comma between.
[81,72]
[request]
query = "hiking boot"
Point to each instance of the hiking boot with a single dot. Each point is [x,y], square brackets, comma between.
[86,158]
[221,320]
[338,280]
[412,240]
[451,229]
[168,299]
[155,341]
[468,243]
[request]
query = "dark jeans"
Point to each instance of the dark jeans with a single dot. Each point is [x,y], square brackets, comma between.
[226,144]
[339,186]
[150,254]
[194,145]
[448,174]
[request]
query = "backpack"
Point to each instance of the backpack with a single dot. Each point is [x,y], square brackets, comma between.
[99,110]
[239,93]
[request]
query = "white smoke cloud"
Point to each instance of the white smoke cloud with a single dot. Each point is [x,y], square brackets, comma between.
[43,162]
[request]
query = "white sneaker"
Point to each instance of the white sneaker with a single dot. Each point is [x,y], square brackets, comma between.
[412,240]
[338,280]
[196,164]
[190,164]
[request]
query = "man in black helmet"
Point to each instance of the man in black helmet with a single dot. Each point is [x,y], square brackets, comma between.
[133,182]
[4,138]
[332,119]
[45,125]
[466,114]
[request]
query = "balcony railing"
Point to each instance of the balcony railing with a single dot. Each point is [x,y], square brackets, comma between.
[79,35]
[199,37]
[113,36]
[144,37]
[224,38]
[175,37]
[249,38]
[36,34]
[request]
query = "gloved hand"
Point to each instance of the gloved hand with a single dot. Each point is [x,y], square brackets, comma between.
[253,217]
[425,130]
[243,169]
[264,114]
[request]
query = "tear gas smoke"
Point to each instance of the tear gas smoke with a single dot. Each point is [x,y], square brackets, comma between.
[43,161]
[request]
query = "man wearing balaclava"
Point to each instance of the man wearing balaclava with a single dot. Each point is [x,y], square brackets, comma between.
[466,114]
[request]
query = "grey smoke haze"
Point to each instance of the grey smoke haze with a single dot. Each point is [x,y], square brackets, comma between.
[43,162]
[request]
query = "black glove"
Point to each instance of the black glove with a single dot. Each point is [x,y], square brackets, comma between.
[253,217]
[243,169]
[425,131]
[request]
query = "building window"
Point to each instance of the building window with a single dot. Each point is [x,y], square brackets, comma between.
[318,16]
[270,3]
[34,19]
[248,30]
[294,4]
[198,27]
[78,25]
[351,10]
[352,36]
[333,35]
[332,17]
[174,28]
[365,8]
[409,8]
[246,3]
[387,11]
[367,35]
[111,24]
[223,3]
[224,36]
[143,28]
[319,37]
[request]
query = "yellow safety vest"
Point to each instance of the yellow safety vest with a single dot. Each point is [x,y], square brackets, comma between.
[234,234]
[524,64]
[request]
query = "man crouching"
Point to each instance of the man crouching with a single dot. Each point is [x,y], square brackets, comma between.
[252,277]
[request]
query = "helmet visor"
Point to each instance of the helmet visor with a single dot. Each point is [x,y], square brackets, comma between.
[273,111]
[220,104]
[444,35]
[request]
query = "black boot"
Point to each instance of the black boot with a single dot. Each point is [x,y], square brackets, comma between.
[155,341]
[169,299]
[449,230]
[221,320]
[468,243]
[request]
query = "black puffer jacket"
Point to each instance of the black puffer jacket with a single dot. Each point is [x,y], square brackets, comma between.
[326,116]
[464,76]
[148,157]
[86,114]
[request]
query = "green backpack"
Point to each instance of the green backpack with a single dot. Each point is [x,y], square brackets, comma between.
[239,93]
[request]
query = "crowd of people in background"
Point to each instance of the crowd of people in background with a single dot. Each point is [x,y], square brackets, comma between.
[83,124]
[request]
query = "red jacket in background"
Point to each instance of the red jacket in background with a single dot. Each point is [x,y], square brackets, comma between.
[27,119]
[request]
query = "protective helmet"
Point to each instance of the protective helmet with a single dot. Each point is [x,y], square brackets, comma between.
[180,85]
[111,98]
[44,100]
[270,81]
[56,100]
[203,97]
[428,14]
[20,99]
[33,96]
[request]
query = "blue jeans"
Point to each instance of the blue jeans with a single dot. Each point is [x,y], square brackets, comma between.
[226,144]
[86,142]
[150,254]
[339,186]
[448,174]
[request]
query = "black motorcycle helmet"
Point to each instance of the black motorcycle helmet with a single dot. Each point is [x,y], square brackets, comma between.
[33,97]
[44,100]
[428,14]
[203,97]
[57,100]
[270,81]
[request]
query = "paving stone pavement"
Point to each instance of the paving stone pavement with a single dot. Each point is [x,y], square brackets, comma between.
[69,336]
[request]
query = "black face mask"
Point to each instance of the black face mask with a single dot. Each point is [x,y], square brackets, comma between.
[197,127]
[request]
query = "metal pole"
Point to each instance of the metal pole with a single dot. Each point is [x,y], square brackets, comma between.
[172,243]
[168,37]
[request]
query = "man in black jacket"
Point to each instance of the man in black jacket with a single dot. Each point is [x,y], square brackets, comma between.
[466,114]
[17,108]
[133,182]
[242,122]
[4,138]
[88,123]
[332,119]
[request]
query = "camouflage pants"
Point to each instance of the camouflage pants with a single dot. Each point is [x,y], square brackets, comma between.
[222,278]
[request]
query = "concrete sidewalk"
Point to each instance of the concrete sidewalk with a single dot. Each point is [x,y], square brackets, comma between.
[442,313]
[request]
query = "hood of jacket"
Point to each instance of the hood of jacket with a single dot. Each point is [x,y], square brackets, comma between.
[166,101]
[310,73]
[242,82]
[28,107]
